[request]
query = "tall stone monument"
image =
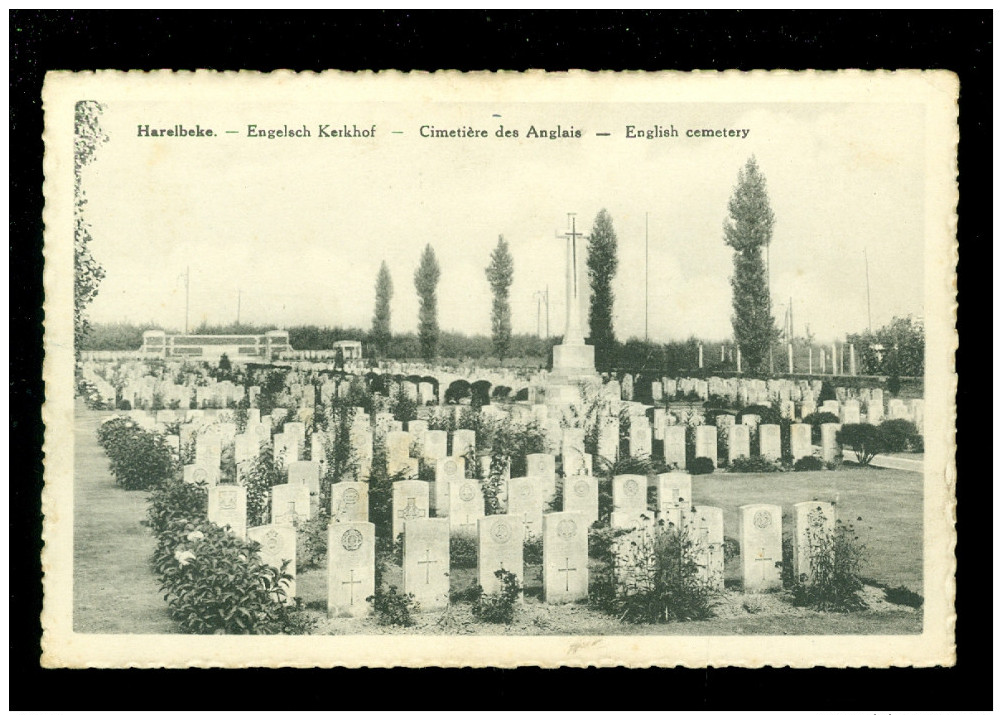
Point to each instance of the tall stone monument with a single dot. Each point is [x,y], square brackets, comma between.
[573,360]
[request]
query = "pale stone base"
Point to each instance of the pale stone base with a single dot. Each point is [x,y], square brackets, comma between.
[573,360]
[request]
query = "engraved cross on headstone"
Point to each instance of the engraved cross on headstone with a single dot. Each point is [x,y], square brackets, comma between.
[428,561]
[762,559]
[411,511]
[566,572]
[350,583]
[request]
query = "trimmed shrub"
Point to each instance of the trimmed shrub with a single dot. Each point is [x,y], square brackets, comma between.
[769,415]
[753,464]
[864,440]
[899,435]
[176,500]
[816,419]
[140,459]
[808,464]
[701,465]
[217,583]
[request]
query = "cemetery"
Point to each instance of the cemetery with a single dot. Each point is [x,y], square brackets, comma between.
[298,491]
[342,490]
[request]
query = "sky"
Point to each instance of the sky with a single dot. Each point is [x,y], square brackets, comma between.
[297,227]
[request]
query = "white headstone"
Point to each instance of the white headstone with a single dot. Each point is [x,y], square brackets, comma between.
[813,521]
[447,471]
[565,557]
[770,445]
[543,468]
[196,473]
[426,561]
[581,495]
[706,442]
[228,507]
[466,505]
[831,450]
[351,557]
[410,501]
[464,441]
[499,546]
[640,437]
[278,545]
[674,491]
[674,446]
[800,440]
[350,501]
[435,445]
[706,524]
[738,444]
[760,534]
[290,502]
[525,500]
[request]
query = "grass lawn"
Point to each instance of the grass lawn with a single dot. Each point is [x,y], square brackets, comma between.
[114,588]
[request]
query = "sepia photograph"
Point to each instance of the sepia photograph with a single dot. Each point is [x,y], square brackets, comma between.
[499,369]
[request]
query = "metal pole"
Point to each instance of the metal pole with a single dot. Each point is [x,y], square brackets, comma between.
[187,292]
[547,311]
[238,306]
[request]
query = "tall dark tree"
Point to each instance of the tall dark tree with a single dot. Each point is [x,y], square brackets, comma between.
[426,282]
[602,264]
[748,230]
[499,274]
[381,335]
[88,273]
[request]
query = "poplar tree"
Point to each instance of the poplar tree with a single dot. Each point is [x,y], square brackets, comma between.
[748,230]
[426,282]
[602,264]
[381,334]
[499,275]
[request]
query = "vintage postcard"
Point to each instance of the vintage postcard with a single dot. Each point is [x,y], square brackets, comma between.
[499,369]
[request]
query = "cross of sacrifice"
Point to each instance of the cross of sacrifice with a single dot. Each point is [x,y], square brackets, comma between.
[350,583]
[566,572]
[572,237]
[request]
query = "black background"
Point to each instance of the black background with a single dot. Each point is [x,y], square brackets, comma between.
[45,40]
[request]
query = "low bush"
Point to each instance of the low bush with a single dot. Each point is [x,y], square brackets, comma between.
[658,579]
[532,549]
[836,556]
[808,464]
[816,419]
[498,607]
[899,435]
[392,608]
[701,465]
[140,459]
[752,464]
[864,440]
[462,551]
[311,543]
[902,596]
